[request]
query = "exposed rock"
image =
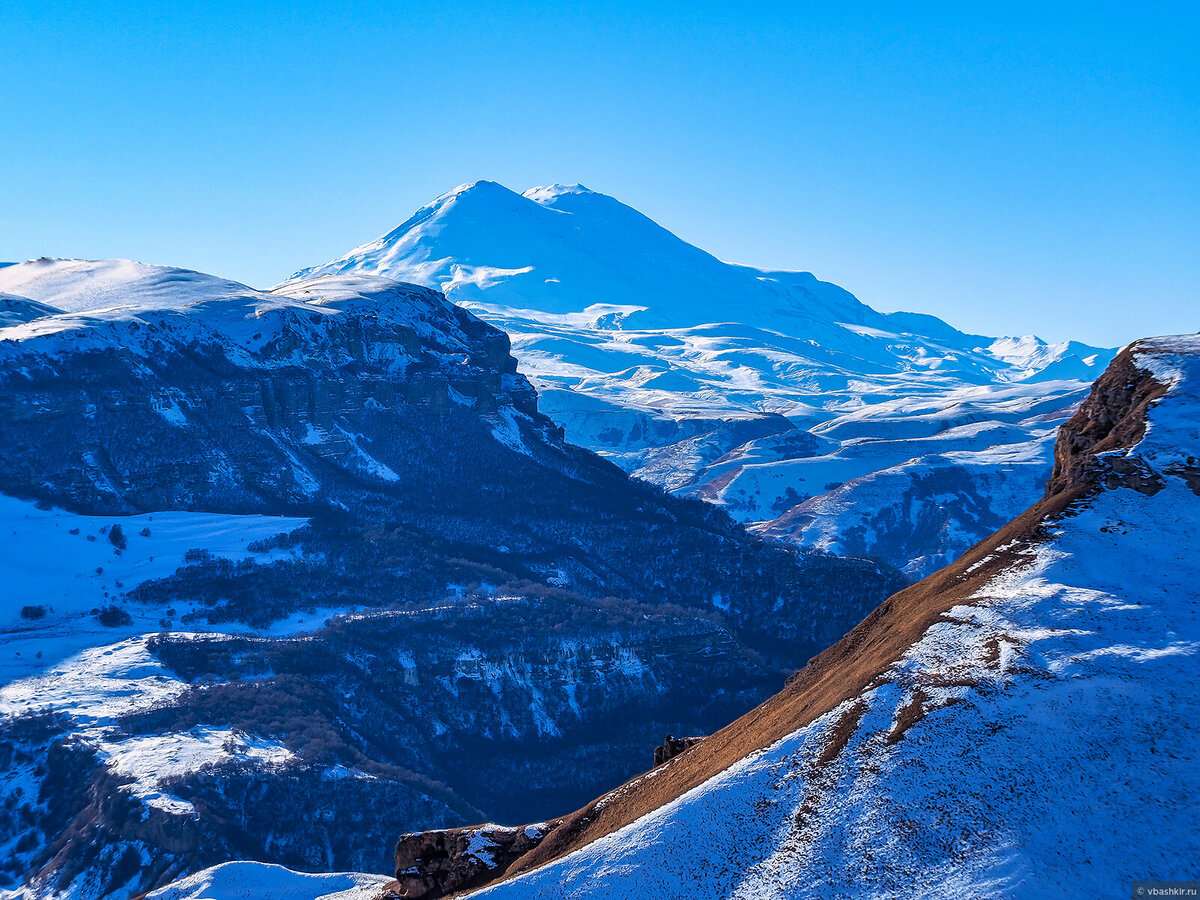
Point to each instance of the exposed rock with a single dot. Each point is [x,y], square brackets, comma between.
[434,864]
[673,746]
[1113,417]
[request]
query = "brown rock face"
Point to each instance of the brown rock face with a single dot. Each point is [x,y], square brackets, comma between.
[434,864]
[672,747]
[1113,417]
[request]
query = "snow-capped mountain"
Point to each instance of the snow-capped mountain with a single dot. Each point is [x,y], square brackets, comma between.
[1020,724]
[290,572]
[777,395]
[85,285]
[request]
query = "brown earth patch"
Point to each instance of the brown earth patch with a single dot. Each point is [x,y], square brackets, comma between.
[910,714]
[1111,418]
[843,730]
[991,652]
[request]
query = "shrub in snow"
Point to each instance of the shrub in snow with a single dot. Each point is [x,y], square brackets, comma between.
[113,616]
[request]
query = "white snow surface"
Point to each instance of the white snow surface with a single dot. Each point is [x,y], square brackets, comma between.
[639,343]
[81,285]
[151,759]
[66,564]
[102,683]
[64,660]
[1056,755]
[257,881]
[96,302]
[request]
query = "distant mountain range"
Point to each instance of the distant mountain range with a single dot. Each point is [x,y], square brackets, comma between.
[781,397]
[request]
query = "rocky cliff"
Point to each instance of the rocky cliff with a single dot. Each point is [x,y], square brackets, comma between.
[439,863]
[1113,417]
[458,616]
[253,402]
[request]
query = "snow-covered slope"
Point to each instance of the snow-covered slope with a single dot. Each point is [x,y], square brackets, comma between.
[83,285]
[1019,725]
[252,881]
[758,389]
[59,567]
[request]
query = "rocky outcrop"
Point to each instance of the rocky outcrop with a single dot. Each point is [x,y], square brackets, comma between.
[672,747]
[1113,417]
[434,864]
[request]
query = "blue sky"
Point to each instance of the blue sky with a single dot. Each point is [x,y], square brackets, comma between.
[1010,168]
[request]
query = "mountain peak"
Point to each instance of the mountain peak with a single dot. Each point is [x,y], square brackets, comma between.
[563,248]
[481,187]
[552,191]
[635,336]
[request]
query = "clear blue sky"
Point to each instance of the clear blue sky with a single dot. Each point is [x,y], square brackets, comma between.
[1010,168]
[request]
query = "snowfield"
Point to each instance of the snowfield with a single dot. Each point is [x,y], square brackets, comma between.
[62,659]
[254,881]
[66,565]
[76,285]
[1037,742]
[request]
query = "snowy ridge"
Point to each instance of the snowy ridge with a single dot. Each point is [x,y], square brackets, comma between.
[237,880]
[703,376]
[80,285]
[135,309]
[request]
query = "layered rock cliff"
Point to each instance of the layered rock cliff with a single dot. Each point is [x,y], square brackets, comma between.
[1113,417]
[457,616]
